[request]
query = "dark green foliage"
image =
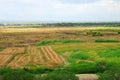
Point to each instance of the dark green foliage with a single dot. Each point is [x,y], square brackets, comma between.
[40,70]
[84,67]
[59,75]
[18,75]
[119,32]
[113,73]
[46,42]
[93,33]
[56,41]
[4,70]
[15,74]
[66,24]
[108,53]
[1,48]
[106,40]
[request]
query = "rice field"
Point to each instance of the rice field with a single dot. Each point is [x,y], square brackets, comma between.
[33,55]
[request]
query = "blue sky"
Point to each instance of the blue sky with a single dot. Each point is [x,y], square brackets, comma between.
[60,10]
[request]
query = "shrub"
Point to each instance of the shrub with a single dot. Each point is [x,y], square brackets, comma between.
[99,40]
[119,32]
[40,70]
[59,75]
[84,67]
[1,48]
[18,75]
[55,41]
[94,33]
[46,42]
[112,74]
[4,70]
[69,41]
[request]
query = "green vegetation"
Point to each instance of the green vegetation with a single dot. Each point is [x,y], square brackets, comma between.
[56,41]
[26,74]
[93,33]
[59,75]
[110,53]
[106,40]
[111,74]
[119,32]
[84,67]
[15,74]
[99,58]
[62,24]
[1,48]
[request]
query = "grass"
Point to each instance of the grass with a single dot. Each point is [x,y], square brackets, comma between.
[1,48]
[76,56]
[89,47]
[110,53]
[46,42]
[89,57]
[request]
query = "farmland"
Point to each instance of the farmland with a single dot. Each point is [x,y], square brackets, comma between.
[77,50]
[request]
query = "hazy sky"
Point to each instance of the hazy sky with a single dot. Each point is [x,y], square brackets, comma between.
[60,10]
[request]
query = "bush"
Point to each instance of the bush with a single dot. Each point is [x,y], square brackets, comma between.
[55,41]
[40,70]
[4,70]
[119,32]
[94,33]
[1,48]
[69,41]
[84,67]
[18,75]
[106,40]
[46,42]
[112,74]
[59,75]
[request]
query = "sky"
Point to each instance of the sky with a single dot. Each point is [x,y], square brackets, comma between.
[60,10]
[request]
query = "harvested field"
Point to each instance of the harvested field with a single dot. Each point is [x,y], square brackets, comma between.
[37,56]
[11,51]
[4,59]
[7,54]
[31,56]
[51,56]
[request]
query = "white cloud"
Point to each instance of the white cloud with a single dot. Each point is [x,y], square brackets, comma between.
[56,10]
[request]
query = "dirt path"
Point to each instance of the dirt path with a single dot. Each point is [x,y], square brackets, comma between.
[87,76]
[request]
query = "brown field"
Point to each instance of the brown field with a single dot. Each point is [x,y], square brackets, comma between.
[31,55]
[17,37]
[11,51]
[7,54]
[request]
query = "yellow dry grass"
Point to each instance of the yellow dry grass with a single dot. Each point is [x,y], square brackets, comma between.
[12,30]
